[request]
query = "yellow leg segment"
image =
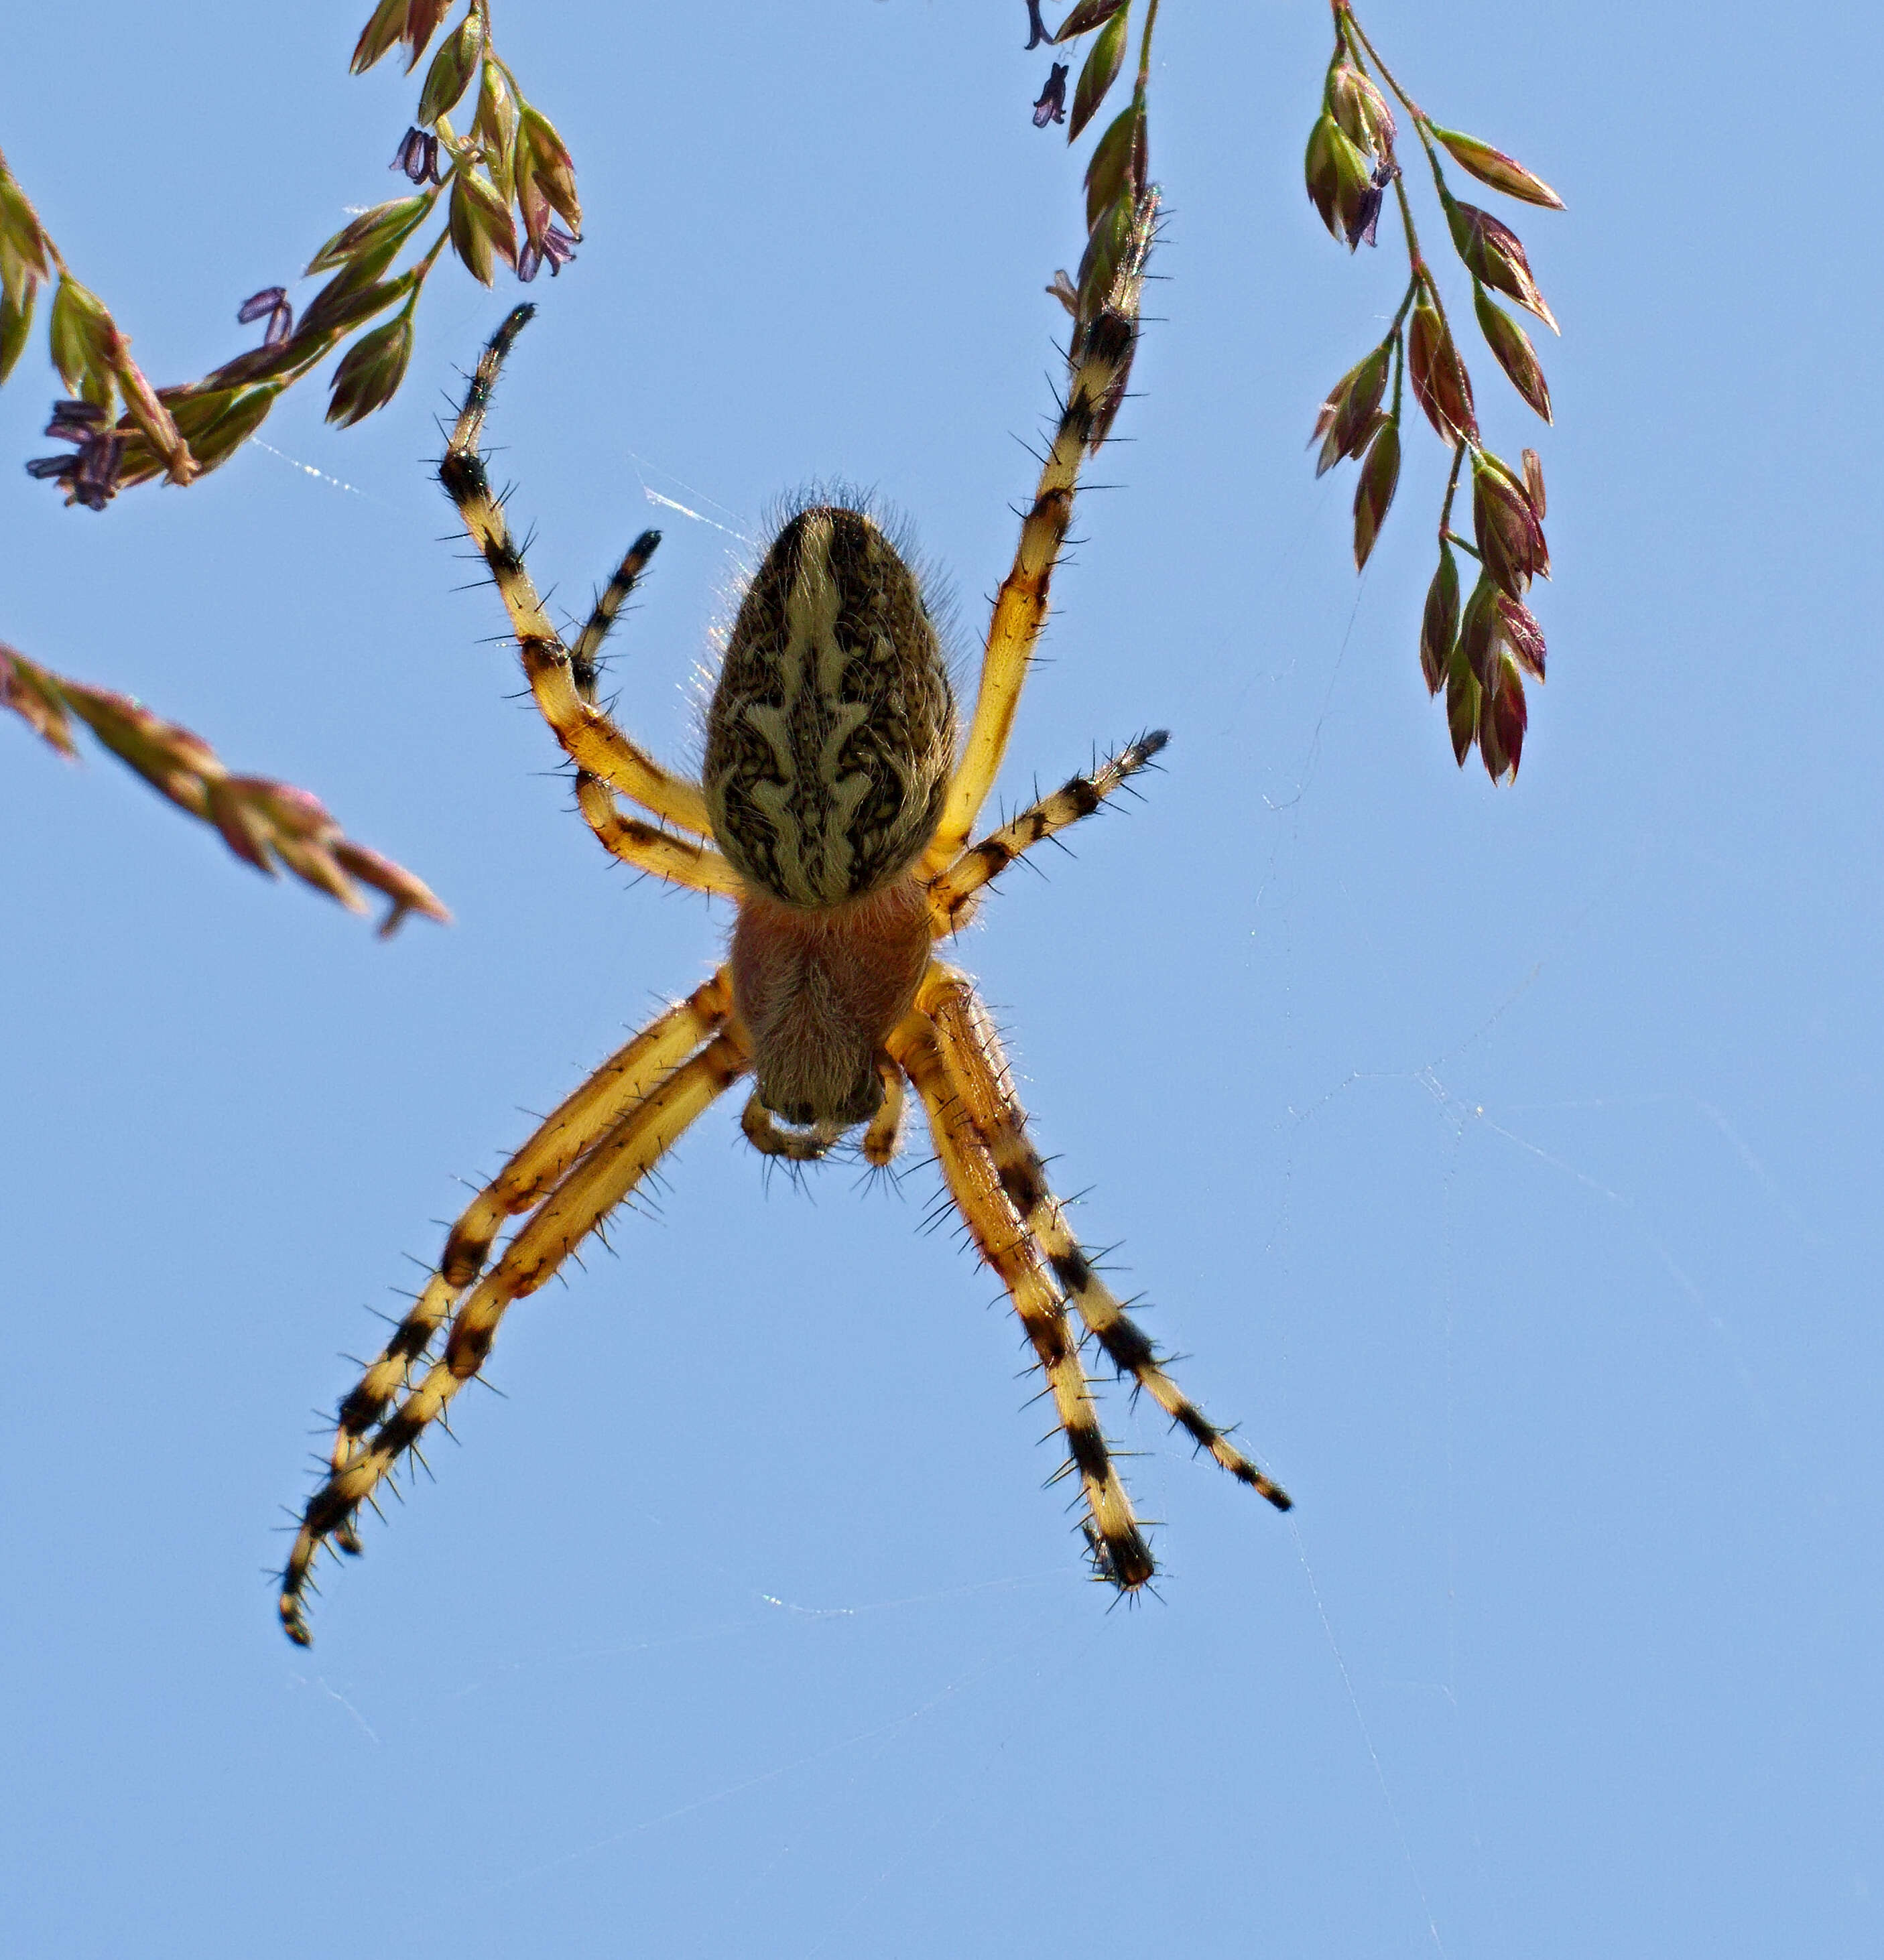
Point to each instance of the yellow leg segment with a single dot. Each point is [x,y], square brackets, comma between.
[587,650]
[979,1077]
[883,1138]
[975,1184]
[680,860]
[571,1128]
[951,895]
[591,740]
[590,1191]
[1100,360]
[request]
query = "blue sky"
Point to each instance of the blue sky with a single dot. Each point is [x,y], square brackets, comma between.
[1504,1159]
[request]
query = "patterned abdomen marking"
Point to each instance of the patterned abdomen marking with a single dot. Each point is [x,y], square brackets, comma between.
[832,732]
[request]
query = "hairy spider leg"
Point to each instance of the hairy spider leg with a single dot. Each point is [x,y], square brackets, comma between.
[951,895]
[1099,360]
[571,1128]
[571,1131]
[585,655]
[980,1076]
[883,1138]
[968,1170]
[680,860]
[590,739]
[599,1181]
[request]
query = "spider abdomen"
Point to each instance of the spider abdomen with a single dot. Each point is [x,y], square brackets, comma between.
[831,734]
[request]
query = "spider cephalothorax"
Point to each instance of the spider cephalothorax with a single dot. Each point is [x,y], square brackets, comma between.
[834,810]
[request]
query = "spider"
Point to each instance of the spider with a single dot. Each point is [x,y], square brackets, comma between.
[835,810]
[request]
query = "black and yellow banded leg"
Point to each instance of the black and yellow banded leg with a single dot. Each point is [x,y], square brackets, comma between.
[681,861]
[570,1130]
[951,896]
[1099,360]
[590,738]
[979,1077]
[600,1180]
[585,655]
[1120,1552]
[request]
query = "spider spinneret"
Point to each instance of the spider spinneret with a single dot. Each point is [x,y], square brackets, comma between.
[834,808]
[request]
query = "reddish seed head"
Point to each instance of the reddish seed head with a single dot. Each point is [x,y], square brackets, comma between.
[1360,111]
[1515,355]
[1494,252]
[1380,476]
[1340,181]
[1509,537]
[1494,167]
[1523,635]
[1439,624]
[1345,423]
[1440,384]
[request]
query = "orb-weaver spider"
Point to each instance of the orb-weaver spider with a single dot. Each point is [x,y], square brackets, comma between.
[835,811]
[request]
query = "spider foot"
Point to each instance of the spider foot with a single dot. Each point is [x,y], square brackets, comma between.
[1127,1573]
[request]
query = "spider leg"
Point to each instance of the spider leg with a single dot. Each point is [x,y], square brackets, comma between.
[569,1130]
[1121,1553]
[577,1205]
[951,895]
[592,741]
[884,1137]
[762,1132]
[681,860]
[1098,362]
[979,1077]
[587,650]
[646,846]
